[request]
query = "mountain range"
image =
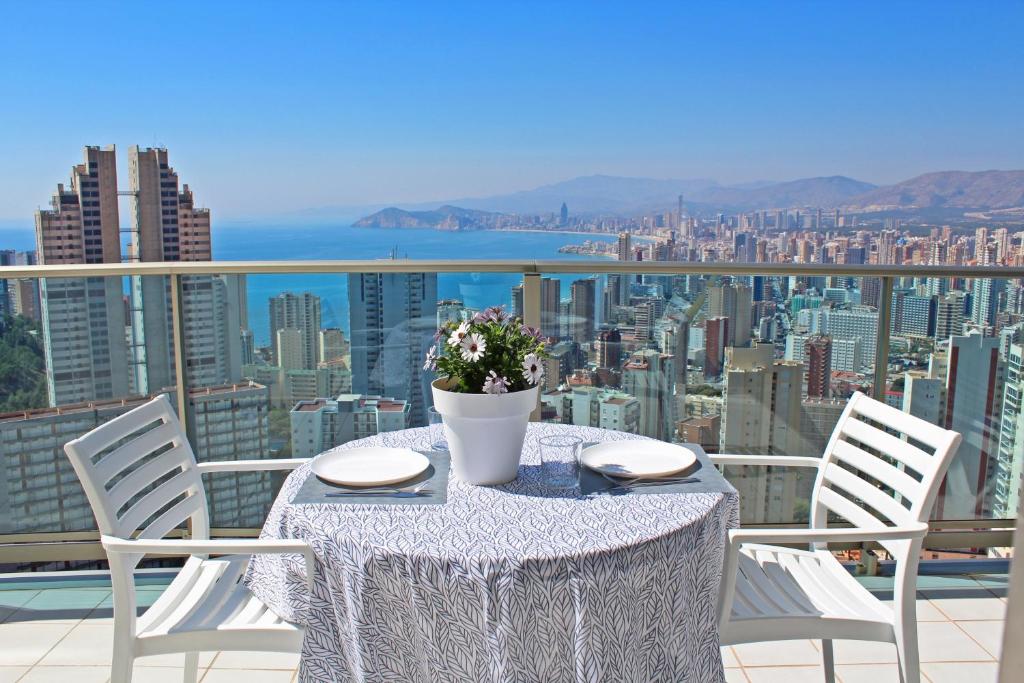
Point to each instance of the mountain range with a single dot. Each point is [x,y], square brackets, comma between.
[947,193]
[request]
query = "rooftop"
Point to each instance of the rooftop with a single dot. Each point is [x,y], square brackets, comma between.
[58,627]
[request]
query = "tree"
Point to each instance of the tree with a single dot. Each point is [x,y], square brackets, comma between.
[22,366]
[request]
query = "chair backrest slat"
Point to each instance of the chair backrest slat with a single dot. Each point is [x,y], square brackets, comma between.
[139,473]
[882,502]
[128,454]
[895,448]
[876,470]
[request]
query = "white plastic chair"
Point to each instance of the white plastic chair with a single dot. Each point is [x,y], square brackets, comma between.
[142,481]
[882,485]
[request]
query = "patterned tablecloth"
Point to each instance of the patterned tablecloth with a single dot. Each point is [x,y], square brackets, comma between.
[510,583]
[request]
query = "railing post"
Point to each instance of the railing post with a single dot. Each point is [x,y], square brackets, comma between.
[180,375]
[882,341]
[531,315]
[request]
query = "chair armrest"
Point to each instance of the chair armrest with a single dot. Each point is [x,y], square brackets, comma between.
[250,465]
[738,537]
[765,460]
[221,546]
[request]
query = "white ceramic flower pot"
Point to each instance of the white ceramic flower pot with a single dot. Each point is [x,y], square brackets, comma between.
[485,432]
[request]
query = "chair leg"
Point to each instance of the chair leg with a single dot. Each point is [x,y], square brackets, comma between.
[121,668]
[907,653]
[828,660]
[191,667]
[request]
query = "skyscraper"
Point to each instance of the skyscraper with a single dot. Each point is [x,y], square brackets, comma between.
[1010,461]
[393,319]
[550,299]
[583,310]
[974,389]
[83,318]
[949,315]
[648,376]
[819,366]
[167,226]
[299,312]
[716,334]
[563,215]
[732,301]
[609,348]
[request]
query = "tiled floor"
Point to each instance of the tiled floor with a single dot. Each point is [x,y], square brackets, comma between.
[61,631]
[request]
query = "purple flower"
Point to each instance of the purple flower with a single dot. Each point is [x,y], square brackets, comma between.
[532,332]
[494,314]
[495,385]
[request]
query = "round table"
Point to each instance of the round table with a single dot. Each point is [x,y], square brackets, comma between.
[519,582]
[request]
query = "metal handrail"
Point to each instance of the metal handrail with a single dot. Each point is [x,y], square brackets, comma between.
[502,266]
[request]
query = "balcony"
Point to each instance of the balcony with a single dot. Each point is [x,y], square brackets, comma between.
[57,627]
[56,623]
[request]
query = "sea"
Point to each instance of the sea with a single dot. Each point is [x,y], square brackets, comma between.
[266,242]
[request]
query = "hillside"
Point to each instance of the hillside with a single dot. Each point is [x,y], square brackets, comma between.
[947,189]
[445,217]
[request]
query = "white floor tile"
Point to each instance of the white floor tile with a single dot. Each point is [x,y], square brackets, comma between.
[174,660]
[243,676]
[989,634]
[10,674]
[162,674]
[789,652]
[785,674]
[258,660]
[85,645]
[729,658]
[26,643]
[944,642]
[959,672]
[64,674]
[867,673]
[926,611]
[735,676]
[863,652]
[962,609]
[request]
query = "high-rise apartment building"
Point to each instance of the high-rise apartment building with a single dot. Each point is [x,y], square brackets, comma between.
[818,350]
[550,299]
[392,326]
[716,337]
[583,310]
[1010,461]
[608,348]
[83,318]
[974,391]
[949,315]
[299,312]
[332,345]
[168,226]
[321,424]
[732,301]
[39,491]
[649,377]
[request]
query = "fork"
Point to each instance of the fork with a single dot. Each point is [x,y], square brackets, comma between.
[646,481]
[413,490]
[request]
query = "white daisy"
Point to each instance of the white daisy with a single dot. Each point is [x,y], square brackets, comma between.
[532,368]
[473,347]
[459,334]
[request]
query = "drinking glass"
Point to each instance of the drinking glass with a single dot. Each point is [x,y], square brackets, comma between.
[560,460]
[438,442]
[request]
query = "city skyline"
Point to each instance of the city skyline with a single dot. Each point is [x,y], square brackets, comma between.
[323,108]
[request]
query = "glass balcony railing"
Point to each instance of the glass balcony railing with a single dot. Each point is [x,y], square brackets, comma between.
[287,359]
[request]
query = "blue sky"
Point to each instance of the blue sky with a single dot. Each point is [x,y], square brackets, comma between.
[272,108]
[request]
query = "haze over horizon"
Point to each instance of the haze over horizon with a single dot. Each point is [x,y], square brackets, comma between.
[267,112]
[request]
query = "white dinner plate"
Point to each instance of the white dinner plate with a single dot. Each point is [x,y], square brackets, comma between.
[637,458]
[369,466]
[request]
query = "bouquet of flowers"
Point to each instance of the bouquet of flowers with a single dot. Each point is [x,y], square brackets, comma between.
[493,353]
